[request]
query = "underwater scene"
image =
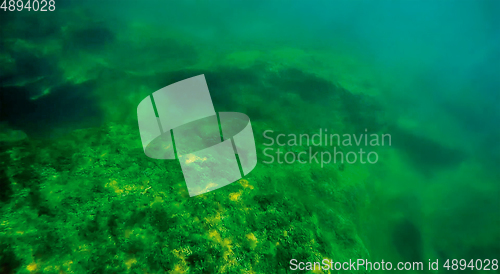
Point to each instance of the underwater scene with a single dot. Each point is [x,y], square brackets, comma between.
[350,136]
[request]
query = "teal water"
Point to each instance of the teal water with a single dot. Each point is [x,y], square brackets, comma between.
[427,73]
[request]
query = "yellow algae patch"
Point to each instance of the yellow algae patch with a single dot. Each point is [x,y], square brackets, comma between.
[186,250]
[245,184]
[179,254]
[51,268]
[32,267]
[178,269]
[123,189]
[252,240]
[199,191]
[317,270]
[130,188]
[214,235]
[228,255]
[114,185]
[226,243]
[213,220]
[191,158]
[230,262]
[234,196]
[67,265]
[130,262]
[210,185]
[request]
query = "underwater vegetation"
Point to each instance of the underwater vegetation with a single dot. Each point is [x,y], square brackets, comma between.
[92,202]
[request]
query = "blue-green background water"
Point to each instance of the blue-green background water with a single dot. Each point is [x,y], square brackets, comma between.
[426,72]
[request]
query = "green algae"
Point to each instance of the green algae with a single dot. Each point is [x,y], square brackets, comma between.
[92,201]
